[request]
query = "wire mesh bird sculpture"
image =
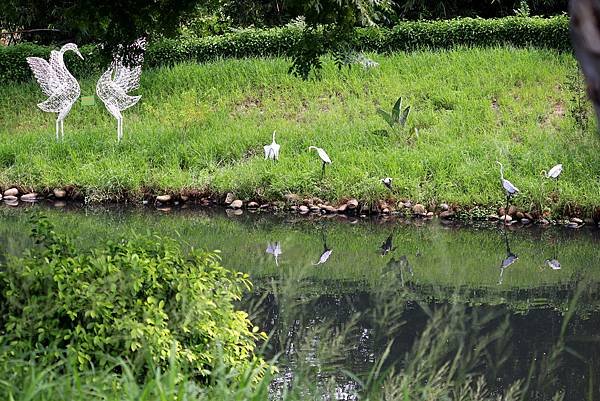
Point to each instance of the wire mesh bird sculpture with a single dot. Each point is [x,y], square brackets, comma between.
[324,158]
[120,78]
[509,188]
[57,83]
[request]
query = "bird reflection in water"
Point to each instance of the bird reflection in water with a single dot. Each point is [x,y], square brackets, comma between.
[509,260]
[326,251]
[553,262]
[398,266]
[275,250]
[387,245]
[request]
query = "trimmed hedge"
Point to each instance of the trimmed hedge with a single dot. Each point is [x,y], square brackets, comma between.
[516,31]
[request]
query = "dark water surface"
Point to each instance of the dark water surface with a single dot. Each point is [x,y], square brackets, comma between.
[318,279]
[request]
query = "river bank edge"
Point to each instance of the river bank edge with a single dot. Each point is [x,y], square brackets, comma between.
[572,216]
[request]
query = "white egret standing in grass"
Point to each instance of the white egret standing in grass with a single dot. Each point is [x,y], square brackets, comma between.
[324,157]
[555,171]
[57,83]
[387,181]
[509,188]
[272,150]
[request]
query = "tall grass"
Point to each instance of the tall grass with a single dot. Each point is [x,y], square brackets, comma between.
[457,356]
[202,127]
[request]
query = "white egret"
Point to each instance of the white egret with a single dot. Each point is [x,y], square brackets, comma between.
[272,150]
[57,83]
[324,157]
[509,188]
[387,181]
[113,85]
[555,171]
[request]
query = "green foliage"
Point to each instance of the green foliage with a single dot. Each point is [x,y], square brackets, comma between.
[200,130]
[398,116]
[307,46]
[97,20]
[141,299]
[579,102]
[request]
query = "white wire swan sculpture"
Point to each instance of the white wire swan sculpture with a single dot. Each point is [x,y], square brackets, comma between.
[113,85]
[57,83]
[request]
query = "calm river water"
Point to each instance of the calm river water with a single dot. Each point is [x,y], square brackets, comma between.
[369,283]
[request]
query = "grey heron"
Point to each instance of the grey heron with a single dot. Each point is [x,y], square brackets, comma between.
[509,188]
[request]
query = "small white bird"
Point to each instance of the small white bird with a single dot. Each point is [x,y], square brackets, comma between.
[275,250]
[555,171]
[508,186]
[57,83]
[324,157]
[387,181]
[272,150]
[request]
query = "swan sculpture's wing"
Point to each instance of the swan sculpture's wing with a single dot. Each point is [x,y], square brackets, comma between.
[45,73]
[128,77]
[113,85]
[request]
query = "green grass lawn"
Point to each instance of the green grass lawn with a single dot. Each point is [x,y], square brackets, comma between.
[202,127]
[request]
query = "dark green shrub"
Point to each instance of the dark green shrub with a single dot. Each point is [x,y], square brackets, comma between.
[136,299]
[516,31]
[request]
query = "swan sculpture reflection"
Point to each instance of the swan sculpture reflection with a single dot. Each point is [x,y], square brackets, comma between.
[57,83]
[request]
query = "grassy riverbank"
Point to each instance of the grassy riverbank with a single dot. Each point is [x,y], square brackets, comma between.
[201,128]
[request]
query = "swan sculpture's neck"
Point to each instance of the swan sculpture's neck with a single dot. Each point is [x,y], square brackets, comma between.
[64,71]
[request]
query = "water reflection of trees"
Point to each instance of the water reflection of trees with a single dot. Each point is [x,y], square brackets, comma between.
[326,334]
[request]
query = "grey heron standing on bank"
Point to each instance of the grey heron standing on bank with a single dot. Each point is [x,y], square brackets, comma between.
[324,157]
[57,83]
[509,188]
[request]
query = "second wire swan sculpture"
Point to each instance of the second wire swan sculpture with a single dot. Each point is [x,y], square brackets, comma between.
[113,85]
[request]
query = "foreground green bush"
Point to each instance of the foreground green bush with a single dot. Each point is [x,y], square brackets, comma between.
[517,31]
[141,299]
